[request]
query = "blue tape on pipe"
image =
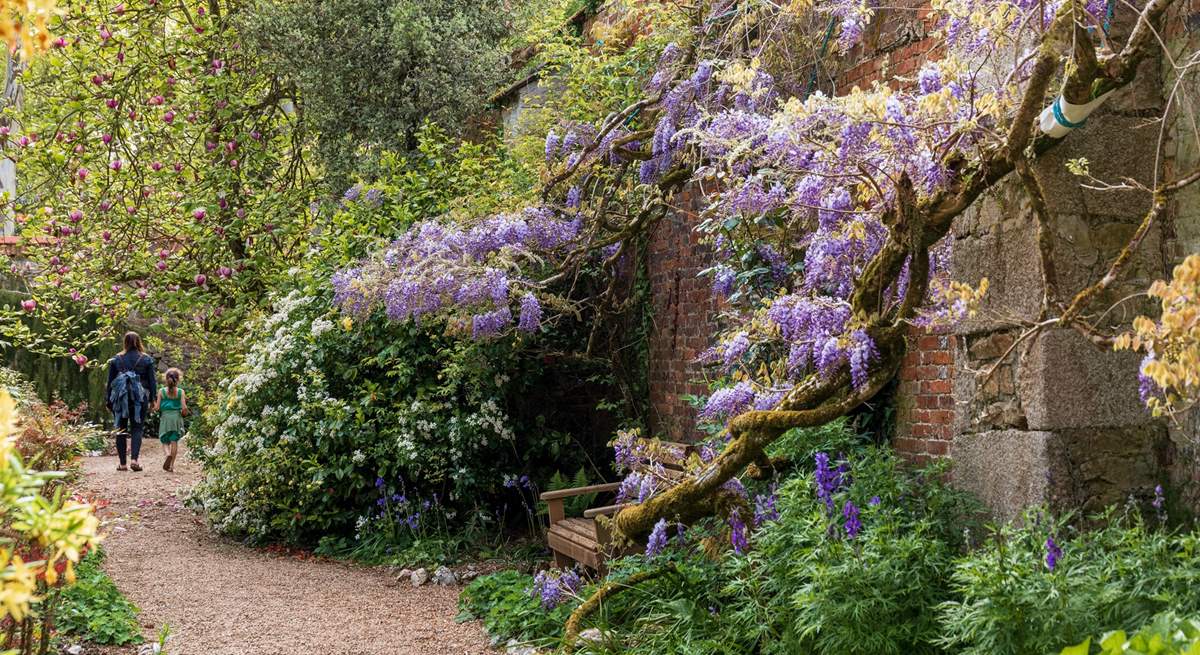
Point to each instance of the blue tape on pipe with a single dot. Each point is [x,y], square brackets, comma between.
[1062,120]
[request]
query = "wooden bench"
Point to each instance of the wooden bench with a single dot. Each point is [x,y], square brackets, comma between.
[586,540]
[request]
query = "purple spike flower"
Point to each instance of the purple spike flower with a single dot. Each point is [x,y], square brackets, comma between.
[1053,553]
[853,524]
[739,536]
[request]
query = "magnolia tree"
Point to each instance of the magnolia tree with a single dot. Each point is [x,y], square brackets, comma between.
[159,172]
[829,213]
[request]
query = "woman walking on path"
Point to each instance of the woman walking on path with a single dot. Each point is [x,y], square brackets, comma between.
[130,387]
[171,403]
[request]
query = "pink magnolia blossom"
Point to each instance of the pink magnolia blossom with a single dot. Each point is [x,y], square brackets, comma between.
[81,360]
[82,173]
[199,213]
[75,215]
[106,235]
[29,305]
[169,116]
[201,279]
[115,165]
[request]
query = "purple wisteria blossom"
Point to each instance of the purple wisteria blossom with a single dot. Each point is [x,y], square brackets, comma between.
[531,314]
[658,539]
[457,271]
[729,402]
[553,588]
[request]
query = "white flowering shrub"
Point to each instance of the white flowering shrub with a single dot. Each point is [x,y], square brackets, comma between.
[322,411]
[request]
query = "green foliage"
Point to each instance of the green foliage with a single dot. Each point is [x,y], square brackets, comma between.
[1166,634]
[597,77]
[148,113]
[432,60]
[503,602]
[800,445]
[1119,575]
[922,576]
[575,505]
[439,177]
[327,423]
[94,610]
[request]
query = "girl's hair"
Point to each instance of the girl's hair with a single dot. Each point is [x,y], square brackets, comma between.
[173,375]
[133,342]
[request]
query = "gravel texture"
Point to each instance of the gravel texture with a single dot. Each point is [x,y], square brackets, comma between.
[222,598]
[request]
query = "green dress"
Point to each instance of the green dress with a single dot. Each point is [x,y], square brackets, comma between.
[170,418]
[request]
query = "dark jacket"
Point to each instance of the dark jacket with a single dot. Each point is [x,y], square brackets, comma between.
[140,363]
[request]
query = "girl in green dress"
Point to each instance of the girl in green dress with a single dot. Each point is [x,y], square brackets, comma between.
[172,407]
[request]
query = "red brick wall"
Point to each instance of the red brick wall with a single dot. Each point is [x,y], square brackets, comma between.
[924,397]
[684,314]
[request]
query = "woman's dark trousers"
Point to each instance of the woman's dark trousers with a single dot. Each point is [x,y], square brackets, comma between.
[127,428]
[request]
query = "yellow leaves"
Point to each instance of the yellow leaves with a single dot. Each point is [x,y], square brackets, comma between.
[24,24]
[61,530]
[1172,343]
[18,582]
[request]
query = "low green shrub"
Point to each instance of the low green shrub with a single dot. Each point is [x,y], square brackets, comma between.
[870,557]
[379,431]
[94,610]
[508,609]
[1008,598]
[1166,634]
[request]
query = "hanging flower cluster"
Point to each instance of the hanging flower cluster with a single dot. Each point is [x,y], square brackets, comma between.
[472,275]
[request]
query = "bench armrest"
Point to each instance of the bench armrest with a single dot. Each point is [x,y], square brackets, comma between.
[604,511]
[580,491]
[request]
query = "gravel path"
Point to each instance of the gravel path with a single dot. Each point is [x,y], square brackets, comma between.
[221,598]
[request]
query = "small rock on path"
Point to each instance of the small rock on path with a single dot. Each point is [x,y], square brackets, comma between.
[222,598]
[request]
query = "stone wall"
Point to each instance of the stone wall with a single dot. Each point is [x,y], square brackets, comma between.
[1183,229]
